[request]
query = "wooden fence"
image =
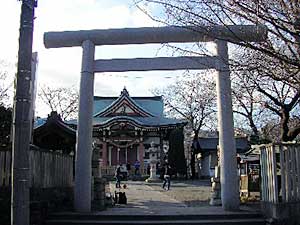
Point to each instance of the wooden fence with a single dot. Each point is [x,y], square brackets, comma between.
[280,172]
[5,164]
[47,169]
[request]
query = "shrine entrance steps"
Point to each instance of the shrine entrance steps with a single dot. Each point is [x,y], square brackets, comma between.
[203,219]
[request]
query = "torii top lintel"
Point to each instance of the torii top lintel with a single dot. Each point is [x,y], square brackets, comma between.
[169,34]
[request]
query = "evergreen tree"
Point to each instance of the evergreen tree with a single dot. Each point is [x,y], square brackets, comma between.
[5,126]
[176,156]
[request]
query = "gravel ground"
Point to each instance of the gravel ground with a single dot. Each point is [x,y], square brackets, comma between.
[193,193]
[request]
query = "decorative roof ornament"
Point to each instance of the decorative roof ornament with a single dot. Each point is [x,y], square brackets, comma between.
[124,92]
[54,116]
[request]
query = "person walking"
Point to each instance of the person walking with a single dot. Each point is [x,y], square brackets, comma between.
[137,167]
[118,176]
[167,177]
[128,168]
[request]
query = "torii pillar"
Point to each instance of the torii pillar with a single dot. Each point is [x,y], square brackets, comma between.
[228,163]
[83,168]
[88,40]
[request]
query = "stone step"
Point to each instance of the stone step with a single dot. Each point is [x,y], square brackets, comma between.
[258,221]
[211,216]
[208,219]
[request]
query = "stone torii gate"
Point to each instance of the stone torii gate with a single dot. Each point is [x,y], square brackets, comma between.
[90,38]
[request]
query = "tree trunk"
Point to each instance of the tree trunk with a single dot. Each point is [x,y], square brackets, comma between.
[293,133]
[195,150]
[253,127]
[193,170]
[284,128]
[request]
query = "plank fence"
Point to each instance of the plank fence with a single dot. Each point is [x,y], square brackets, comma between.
[280,173]
[5,164]
[47,169]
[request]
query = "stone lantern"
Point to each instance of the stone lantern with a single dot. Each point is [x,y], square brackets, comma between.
[153,160]
[215,198]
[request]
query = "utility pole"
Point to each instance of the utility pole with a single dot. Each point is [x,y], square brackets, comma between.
[22,119]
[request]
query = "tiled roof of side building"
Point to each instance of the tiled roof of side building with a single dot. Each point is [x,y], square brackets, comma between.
[39,122]
[211,143]
[53,120]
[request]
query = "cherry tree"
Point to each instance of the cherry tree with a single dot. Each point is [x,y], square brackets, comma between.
[63,100]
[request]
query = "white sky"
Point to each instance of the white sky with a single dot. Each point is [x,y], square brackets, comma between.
[61,67]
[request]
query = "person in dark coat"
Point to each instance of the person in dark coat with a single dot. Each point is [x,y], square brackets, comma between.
[137,167]
[118,177]
[167,177]
[128,168]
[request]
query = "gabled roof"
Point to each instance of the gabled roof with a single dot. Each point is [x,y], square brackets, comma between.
[53,120]
[141,106]
[142,121]
[211,143]
[142,111]
[54,134]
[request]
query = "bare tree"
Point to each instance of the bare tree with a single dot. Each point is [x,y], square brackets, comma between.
[282,99]
[3,88]
[5,111]
[193,99]
[271,131]
[63,100]
[248,104]
[5,84]
[279,97]
[281,17]
[278,58]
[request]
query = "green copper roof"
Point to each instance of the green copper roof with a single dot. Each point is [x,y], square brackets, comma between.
[143,121]
[154,105]
[150,111]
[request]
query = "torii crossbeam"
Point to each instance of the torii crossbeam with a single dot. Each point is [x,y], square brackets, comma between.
[90,38]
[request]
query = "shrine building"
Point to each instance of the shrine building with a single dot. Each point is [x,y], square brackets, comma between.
[123,129]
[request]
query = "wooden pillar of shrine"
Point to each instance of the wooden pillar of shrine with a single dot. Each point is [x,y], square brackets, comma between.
[104,154]
[141,149]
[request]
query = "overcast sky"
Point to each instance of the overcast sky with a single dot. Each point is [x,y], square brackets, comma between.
[61,67]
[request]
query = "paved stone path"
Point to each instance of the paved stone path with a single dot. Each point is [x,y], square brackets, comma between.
[144,199]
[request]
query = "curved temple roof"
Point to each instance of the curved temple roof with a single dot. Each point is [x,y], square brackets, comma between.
[143,111]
